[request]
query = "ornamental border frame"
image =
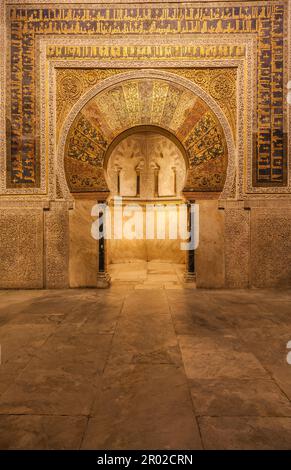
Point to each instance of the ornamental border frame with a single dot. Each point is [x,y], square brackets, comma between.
[47,87]
[244,186]
[155,74]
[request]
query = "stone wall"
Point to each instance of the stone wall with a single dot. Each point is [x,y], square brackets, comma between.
[237,245]
[242,244]
[56,230]
[257,241]
[21,247]
[83,248]
[210,255]
[34,248]
[245,239]
[159,249]
[270,245]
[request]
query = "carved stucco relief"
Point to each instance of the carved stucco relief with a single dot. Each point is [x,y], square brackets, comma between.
[47,88]
[146,101]
[154,75]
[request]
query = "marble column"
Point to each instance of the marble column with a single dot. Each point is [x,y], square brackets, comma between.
[118,171]
[156,169]
[190,273]
[103,277]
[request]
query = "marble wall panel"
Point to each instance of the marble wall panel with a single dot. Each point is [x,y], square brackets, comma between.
[210,264]
[57,246]
[21,247]
[83,248]
[145,249]
[237,247]
[271,246]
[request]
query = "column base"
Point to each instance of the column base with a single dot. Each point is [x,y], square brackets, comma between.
[103,280]
[189,277]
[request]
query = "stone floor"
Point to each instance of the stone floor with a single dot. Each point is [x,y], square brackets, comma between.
[149,275]
[129,368]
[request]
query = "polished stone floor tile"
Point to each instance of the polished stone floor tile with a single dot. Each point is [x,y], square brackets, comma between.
[267,344]
[49,392]
[76,353]
[142,275]
[132,344]
[144,407]
[19,342]
[145,303]
[197,317]
[282,377]
[246,433]
[211,357]
[41,432]
[238,397]
[150,363]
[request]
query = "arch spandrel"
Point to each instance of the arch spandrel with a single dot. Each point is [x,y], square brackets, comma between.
[146,101]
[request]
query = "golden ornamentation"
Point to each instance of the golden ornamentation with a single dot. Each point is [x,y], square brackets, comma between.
[82,80]
[70,87]
[222,88]
[220,83]
[233,25]
[172,107]
[207,78]
[160,92]
[132,99]
[201,77]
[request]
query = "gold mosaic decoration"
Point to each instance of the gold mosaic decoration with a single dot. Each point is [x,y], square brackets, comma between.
[146,101]
[73,83]
[220,83]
